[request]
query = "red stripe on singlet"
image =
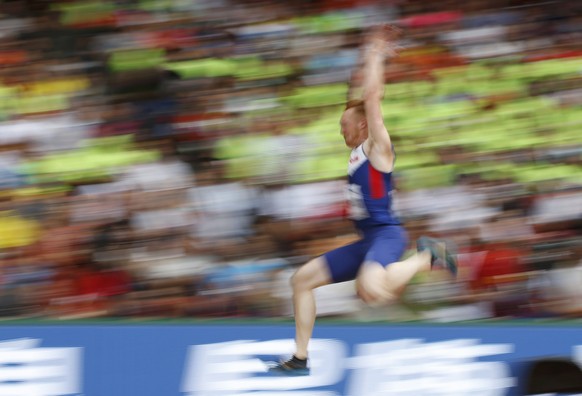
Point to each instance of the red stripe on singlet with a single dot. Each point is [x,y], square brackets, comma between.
[377,187]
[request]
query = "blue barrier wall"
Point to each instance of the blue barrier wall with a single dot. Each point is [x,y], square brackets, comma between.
[205,359]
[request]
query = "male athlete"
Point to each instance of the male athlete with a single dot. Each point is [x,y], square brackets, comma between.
[373,260]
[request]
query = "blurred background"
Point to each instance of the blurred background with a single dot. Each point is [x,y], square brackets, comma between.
[180,158]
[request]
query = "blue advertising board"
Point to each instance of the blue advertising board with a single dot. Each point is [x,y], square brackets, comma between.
[222,359]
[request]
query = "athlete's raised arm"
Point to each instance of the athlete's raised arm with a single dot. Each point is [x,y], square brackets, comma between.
[381,45]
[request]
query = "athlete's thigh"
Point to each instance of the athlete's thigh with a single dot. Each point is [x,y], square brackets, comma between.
[386,248]
[345,262]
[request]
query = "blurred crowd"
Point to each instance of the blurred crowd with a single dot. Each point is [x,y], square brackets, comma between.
[180,158]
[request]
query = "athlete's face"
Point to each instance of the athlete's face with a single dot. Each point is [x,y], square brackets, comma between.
[353,128]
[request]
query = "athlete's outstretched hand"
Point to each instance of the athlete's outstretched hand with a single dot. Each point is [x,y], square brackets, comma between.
[383,40]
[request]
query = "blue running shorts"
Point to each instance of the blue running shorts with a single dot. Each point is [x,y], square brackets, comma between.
[383,244]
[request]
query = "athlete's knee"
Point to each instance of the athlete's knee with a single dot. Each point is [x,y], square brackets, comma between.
[297,280]
[310,276]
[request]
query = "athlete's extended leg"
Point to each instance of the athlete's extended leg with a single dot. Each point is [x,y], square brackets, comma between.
[339,265]
[309,277]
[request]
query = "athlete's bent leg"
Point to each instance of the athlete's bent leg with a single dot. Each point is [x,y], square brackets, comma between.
[309,277]
[378,285]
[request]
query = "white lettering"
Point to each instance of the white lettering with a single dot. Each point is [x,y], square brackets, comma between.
[409,367]
[393,368]
[233,368]
[26,369]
